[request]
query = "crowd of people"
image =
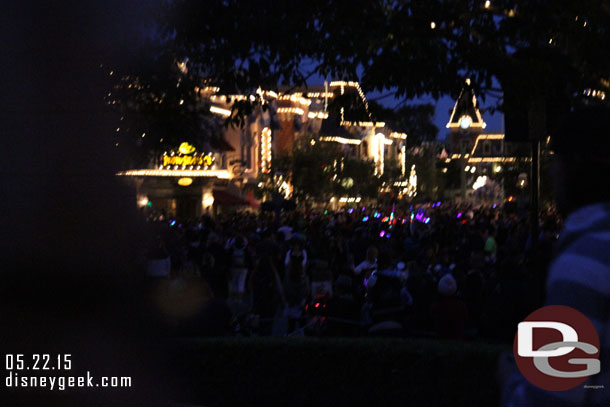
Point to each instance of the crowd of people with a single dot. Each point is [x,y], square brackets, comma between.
[437,269]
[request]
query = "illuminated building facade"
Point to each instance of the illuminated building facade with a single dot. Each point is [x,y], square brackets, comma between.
[187,182]
[481,154]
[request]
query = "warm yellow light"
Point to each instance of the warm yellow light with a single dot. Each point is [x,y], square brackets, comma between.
[317,115]
[433,25]
[341,140]
[480,182]
[363,124]
[208,199]
[487,4]
[220,111]
[222,174]
[290,110]
[186,148]
[185,182]
[266,150]
[142,200]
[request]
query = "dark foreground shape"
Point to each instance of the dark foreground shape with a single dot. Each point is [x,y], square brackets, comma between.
[332,372]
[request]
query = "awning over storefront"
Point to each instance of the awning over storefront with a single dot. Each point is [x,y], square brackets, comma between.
[226,198]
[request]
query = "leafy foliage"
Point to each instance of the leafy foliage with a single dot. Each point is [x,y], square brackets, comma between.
[160,107]
[410,47]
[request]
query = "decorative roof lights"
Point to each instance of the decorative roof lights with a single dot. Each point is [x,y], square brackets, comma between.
[351,84]
[363,124]
[317,115]
[290,110]
[223,174]
[341,140]
[296,98]
[466,113]
[320,94]
[350,199]
[595,93]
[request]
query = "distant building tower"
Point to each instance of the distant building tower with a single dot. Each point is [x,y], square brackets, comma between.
[465,122]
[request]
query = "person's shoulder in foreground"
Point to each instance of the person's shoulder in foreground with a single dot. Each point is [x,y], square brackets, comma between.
[579,276]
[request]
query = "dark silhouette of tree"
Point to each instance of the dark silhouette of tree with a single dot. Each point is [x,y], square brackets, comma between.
[409,47]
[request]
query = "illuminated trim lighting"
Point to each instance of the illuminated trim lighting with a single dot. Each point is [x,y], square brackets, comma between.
[317,115]
[363,124]
[320,95]
[341,140]
[223,174]
[220,111]
[266,150]
[479,122]
[296,98]
[493,159]
[349,199]
[290,110]
[379,153]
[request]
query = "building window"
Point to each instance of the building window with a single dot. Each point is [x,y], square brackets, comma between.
[486,148]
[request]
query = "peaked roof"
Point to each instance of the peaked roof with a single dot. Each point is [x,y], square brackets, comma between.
[465,107]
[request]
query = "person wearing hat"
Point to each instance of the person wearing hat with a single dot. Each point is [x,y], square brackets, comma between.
[579,275]
[449,313]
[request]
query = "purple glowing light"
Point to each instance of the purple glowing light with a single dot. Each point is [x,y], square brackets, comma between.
[382,233]
[365,219]
[459,215]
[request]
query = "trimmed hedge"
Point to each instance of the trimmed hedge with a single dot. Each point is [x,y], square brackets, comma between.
[336,372]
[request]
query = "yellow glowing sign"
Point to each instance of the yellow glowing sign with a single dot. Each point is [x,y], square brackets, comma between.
[185,182]
[187,160]
[186,148]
